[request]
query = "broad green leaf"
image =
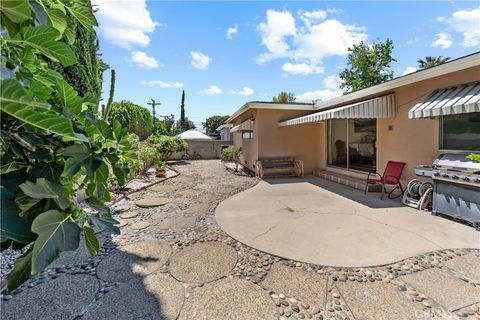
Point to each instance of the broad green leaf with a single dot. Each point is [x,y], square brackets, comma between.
[21,271]
[55,234]
[101,174]
[57,19]
[104,128]
[13,179]
[12,27]
[120,173]
[91,241]
[82,156]
[40,91]
[42,39]
[17,11]
[79,151]
[98,205]
[42,189]
[72,165]
[48,77]
[118,130]
[15,102]
[12,226]
[28,59]
[82,11]
[68,97]
[69,34]
[105,223]
[48,170]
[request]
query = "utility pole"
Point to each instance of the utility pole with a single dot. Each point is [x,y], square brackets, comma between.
[153,104]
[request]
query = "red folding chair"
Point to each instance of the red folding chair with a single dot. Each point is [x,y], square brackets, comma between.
[391,176]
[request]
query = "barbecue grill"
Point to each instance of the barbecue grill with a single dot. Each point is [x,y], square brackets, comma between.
[456,191]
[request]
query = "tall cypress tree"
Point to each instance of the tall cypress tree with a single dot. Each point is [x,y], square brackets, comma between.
[183,122]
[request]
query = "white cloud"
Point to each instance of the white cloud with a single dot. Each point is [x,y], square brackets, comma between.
[315,38]
[467,22]
[278,26]
[309,17]
[162,84]
[409,70]
[231,31]
[213,90]
[440,19]
[302,68]
[246,91]
[199,60]
[322,95]
[125,23]
[443,40]
[332,82]
[143,60]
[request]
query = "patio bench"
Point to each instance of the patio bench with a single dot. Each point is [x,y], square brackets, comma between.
[278,166]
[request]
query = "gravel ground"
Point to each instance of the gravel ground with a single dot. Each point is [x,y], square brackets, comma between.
[196,193]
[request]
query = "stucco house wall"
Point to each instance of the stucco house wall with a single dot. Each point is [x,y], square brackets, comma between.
[249,146]
[415,141]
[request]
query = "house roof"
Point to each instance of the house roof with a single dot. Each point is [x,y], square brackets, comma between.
[225,125]
[459,64]
[384,88]
[193,135]
[270,105]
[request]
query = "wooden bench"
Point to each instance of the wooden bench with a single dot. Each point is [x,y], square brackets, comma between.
[278,166]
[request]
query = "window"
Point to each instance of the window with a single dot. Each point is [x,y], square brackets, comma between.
[351,144]
[247,135]
[460,132]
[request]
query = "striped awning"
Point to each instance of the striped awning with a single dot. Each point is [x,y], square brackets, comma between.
[382,107]
[246,125]
[463,98]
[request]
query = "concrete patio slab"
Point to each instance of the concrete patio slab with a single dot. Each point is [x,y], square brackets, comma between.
[148,202]
[133,260]
[228,299]
[308,287]
[468,265]
[156,296]
[61,298]
[377,300]
[444,287]
[203,262]
[316,221]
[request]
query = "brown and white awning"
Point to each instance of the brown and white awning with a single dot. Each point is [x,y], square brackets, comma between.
[463,98]
[381,107]
[246,125]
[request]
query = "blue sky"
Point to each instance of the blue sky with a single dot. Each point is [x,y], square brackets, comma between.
[224,54]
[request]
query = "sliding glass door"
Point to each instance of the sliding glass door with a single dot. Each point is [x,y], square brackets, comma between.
[351,144]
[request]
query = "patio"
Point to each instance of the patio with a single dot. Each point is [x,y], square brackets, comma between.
[316,221]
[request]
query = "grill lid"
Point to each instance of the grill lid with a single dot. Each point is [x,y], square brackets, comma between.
[456,161]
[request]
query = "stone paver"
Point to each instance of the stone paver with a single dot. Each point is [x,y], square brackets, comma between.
[305,286]
[443,287]
[133,260]
[61,298]
[130,214]
[140,225]
[148,202]
[164,188]
[175,223]
[198,208]
[377,300]
[157,296]
[229,299]
[468,265]
[203,262]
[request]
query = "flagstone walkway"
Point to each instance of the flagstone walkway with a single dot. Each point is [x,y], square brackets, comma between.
[172,261]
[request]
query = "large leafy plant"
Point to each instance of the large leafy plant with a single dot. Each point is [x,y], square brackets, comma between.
[54,146]
[166,146]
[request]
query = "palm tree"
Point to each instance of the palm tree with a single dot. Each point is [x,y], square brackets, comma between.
[430,61]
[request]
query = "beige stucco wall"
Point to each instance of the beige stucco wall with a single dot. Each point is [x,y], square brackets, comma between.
[414,141]
[299,142]
[249,146]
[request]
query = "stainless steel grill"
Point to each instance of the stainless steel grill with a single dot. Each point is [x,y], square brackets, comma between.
[456,191]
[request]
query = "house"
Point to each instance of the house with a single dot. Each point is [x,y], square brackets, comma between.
[224,131]
[412,118]
[199,144]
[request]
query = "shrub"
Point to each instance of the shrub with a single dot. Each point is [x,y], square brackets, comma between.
[137,119]
[166,146]
[474,157]
[231,154]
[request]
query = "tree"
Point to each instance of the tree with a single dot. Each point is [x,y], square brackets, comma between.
[284,97]
[212,123]
[431,61]
[135,118]
[53,144]
[368,65]
[181,127]
[166,146]
[183,121]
